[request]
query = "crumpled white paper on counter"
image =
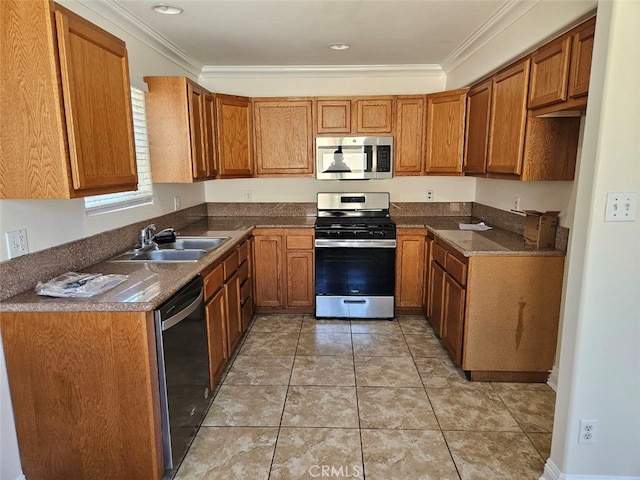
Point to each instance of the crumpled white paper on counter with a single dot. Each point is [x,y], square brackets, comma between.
[480,227]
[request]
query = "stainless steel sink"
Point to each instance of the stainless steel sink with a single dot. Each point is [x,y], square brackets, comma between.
[184,249]
[167,255]
[194,243]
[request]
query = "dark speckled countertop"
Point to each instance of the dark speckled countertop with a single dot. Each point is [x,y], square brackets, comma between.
[496,241]
[150,284]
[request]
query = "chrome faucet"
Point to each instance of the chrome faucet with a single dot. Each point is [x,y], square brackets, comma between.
[146,236]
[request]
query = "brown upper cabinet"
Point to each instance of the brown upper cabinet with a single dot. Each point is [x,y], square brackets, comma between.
[560,71]
[581,53]
[354,116]
[235,136]
[283,136]
[64,83]
[522,146]
[180,125]
[476,137]
[409,141]
[508,119]
[445,132]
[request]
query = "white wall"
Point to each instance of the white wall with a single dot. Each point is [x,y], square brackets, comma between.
[296,85]
[401,189]
[600,361]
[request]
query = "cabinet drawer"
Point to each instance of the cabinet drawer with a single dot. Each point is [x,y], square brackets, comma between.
[245,292]
[244,272]
[231,264]
[457,269]
[300,242]
[439,254]
[213,281]
[243,251]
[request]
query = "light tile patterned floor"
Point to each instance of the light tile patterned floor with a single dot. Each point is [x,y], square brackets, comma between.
[377,400]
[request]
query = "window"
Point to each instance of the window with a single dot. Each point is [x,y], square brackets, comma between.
[144,194]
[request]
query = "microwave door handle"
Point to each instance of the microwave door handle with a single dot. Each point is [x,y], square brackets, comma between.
[374,159]
[370,154]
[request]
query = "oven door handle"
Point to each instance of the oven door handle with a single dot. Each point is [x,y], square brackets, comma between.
[356,243]
[355,302]
[184,313]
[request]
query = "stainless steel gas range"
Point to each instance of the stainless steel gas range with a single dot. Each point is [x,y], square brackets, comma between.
[355,255]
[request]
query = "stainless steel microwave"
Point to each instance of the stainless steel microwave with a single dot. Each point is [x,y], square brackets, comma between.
[354,158]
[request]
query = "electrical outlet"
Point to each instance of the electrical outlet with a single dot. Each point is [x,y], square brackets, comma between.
[621,207]
[17,243]
[588,430]
[429,195]
[177,203]
[516,203]
[248,194]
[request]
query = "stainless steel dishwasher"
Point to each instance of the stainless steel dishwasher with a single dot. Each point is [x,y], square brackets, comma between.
[183,369]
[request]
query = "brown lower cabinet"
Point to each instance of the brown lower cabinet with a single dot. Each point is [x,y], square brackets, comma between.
[410,269]
[216,310]
[85,395]
[284,269]
[497,315]
[229,306]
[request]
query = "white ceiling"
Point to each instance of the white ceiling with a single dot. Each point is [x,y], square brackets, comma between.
[290,33]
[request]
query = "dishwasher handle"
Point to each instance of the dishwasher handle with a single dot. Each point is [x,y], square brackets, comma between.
[184,313]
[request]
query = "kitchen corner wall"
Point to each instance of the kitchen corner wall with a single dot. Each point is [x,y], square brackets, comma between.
[401,189]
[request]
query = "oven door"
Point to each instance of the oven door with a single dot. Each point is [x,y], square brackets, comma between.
[355,278]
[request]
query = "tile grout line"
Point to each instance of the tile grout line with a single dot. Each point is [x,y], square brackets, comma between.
[286,395]
[355,381]
[432,409]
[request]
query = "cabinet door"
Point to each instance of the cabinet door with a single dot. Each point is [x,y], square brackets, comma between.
[268,270]
[234,313]
[508,119]
[410,269]
[235,132]
[217,335]
[436,297]
[549,73]
[284,137]
[334,116]
[476,138]
[453,318]
[409,141]
[300,289]
[211,158]
[445,132]
[97,105]
[581,52]
[197,119]
[374,115]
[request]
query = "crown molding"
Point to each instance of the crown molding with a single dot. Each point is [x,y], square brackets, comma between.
[508,13]
[211,71]
[114,12]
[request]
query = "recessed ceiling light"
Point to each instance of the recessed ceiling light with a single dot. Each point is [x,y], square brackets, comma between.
[167,9]
[339,46]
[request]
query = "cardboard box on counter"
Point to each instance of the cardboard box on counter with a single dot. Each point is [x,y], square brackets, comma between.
[540,229]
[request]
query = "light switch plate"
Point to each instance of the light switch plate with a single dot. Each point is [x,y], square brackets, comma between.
[621,207]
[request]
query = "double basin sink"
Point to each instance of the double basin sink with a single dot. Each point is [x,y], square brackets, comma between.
[184,249]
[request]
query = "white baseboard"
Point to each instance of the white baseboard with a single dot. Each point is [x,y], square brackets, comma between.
[552,381]
[551,472]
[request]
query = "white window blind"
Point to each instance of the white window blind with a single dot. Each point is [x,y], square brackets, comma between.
[144,194]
